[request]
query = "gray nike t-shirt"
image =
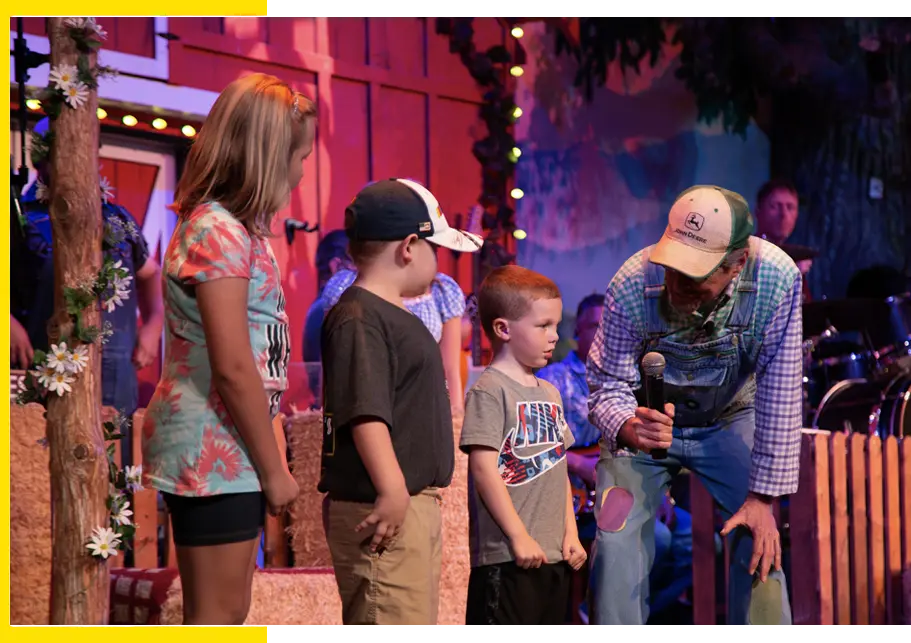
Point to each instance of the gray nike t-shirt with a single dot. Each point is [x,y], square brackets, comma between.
[525,425]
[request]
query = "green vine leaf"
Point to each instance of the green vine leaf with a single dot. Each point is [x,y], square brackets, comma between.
[78,299]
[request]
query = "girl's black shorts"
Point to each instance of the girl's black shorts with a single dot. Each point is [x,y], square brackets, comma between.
[216,520]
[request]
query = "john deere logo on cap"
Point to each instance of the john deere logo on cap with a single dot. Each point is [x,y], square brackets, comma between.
[695,221]
[425,227]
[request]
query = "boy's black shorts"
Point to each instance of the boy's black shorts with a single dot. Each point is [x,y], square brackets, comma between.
[506,594]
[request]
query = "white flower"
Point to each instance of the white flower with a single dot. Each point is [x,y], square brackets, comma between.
[63,76]
[122,283]
[59,357]
[104,542]
[133,477]
[45,375]
[42,193]
[91,25]
[76,94]
[115,300]
[60,384]
[79,358]
[107,191]
[122,514]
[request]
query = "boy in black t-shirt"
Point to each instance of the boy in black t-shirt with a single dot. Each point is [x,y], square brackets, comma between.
[387,428]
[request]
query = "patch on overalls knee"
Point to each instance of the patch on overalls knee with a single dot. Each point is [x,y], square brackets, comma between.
[616,503]
[765,602]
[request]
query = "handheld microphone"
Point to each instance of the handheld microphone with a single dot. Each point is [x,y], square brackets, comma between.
[653,367]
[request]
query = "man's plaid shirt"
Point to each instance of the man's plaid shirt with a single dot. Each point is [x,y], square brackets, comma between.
[613,372]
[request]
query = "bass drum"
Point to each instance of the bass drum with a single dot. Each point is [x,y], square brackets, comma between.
[895,412]
[821,375]
[851,405]
[864,406]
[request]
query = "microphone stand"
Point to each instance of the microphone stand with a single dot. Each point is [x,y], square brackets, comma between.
[25,59]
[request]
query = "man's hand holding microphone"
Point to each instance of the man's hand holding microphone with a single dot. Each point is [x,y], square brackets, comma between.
[650,430]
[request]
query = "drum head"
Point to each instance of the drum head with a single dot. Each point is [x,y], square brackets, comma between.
[851,405]
[895,413]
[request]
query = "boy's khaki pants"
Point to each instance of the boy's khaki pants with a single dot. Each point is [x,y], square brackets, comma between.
[399,585]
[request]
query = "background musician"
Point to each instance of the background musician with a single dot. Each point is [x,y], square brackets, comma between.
[777,209]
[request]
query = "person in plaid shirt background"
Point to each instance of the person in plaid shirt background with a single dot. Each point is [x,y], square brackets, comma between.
[723,308]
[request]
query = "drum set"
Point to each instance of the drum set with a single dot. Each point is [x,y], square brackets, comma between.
[857,365]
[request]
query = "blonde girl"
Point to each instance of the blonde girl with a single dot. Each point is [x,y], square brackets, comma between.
[208,443]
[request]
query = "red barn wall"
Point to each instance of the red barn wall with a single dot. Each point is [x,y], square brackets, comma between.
[393,101]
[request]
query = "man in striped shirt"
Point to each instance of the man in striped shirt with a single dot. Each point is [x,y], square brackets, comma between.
[723,308]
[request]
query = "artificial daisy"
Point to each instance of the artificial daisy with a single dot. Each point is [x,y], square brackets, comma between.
[59,357]
[122,513]
[60,384]
[122,283]
[115,300]
[76,94]
[63,76]
[104,542]
[79,358]
[45,375]
[133,477]
[91,25]
[107,190]
[42,193]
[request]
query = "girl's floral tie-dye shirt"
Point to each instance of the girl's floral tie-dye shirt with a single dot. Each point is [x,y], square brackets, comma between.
[190,445]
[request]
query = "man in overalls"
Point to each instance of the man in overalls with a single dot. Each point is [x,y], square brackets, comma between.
[723,308]
[129,347]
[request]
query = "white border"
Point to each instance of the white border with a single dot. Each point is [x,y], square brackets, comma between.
[127,88]
[156,67]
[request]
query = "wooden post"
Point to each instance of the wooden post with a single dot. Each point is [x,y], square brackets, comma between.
[78,464]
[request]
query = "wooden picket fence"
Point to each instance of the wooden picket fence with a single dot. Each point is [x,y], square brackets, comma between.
[849,529]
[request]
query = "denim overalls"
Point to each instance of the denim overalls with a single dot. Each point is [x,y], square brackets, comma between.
[119,381]
[712,387]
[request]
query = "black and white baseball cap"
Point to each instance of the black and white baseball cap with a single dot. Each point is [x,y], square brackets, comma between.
[392,209]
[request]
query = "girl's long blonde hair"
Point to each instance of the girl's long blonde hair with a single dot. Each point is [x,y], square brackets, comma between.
[241,156]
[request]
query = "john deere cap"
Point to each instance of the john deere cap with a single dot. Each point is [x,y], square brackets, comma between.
[705,225]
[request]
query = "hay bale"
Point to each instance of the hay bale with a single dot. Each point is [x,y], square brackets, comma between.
[308,538]
[456,557]
[304,432]
[30,518]
[280,597]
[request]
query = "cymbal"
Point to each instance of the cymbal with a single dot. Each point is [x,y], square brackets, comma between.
[799,253]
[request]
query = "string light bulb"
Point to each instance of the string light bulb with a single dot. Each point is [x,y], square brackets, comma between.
[33,104]
[159,123]
[517,32]
[516,112]
[516,152]
[129,120]
[519,234]
[516,193]
[101,113]
[188,130]
[516,71]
